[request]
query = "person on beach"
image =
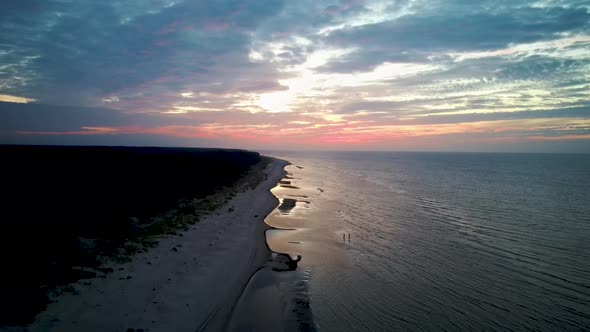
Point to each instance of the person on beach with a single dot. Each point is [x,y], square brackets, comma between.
[348,237]
[344,237]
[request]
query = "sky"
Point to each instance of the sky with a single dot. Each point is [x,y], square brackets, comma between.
[422,75]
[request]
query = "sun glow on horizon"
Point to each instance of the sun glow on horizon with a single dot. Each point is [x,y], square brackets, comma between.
[276,102]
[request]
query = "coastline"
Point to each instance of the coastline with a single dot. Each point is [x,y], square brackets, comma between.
[187,282]
[276,297]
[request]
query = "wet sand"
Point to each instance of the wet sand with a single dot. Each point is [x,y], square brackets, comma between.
[274,301]
[277,296]
[186,283]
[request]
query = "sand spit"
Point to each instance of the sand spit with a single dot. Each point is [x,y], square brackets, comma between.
[186,283]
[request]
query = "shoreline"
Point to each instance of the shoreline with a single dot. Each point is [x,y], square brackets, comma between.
[262,250]
[276,296]
[188,282]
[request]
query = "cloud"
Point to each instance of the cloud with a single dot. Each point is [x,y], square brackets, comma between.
[39,117]
[414,38]
[86,51]
[294,73]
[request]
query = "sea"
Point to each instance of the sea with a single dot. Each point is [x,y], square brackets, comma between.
[395,241]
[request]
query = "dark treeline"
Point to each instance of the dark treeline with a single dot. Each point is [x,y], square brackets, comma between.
[53,196]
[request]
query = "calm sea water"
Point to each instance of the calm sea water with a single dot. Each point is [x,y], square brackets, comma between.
[440,241]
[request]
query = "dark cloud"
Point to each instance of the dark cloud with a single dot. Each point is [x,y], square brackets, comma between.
[32,117]
[76,52]
[306,17]
[366,58]
[413,38]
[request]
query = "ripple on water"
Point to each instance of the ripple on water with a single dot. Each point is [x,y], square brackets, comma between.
[439,242]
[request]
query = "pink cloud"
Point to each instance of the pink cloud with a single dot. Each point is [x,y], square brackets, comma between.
[326,134]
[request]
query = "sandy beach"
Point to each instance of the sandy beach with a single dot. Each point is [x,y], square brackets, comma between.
[188,282]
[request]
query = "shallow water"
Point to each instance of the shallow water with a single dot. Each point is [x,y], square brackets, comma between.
[440,241]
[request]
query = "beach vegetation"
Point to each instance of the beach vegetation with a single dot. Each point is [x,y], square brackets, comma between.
[97,205]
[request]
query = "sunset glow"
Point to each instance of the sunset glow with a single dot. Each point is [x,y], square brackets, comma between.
[306,74]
